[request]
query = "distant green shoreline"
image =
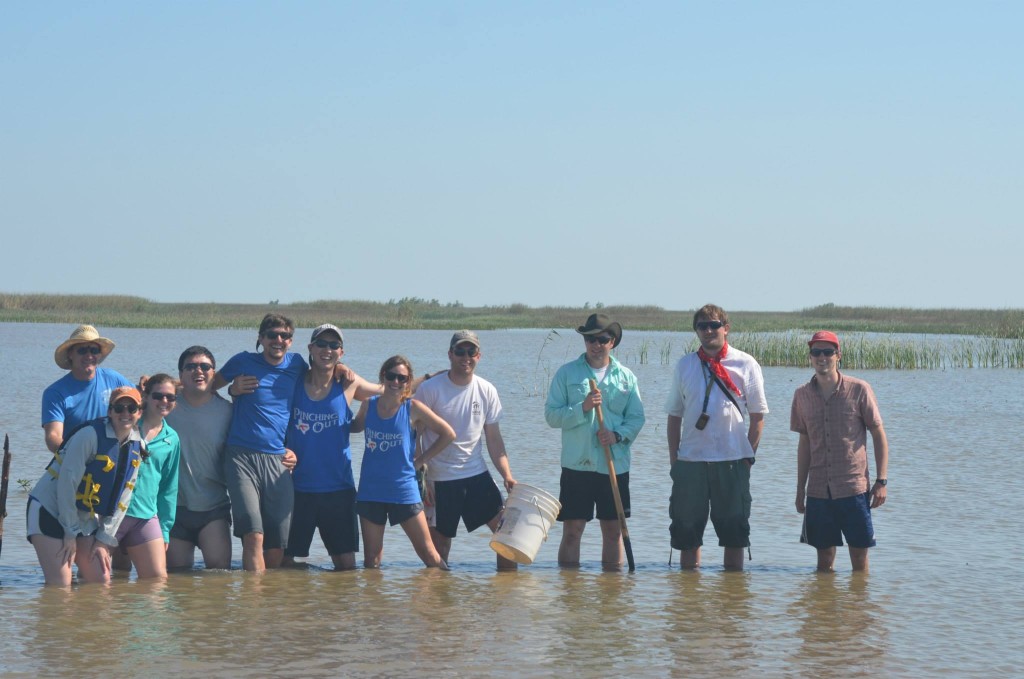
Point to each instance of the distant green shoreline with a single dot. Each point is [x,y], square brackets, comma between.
[417,313]
[994,337]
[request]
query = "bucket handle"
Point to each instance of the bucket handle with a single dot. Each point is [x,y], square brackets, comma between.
[533,501]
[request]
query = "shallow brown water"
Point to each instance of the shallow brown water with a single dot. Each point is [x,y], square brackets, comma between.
[943,595]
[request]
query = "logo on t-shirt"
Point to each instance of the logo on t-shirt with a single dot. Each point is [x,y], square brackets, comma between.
[476,407]
[302,426]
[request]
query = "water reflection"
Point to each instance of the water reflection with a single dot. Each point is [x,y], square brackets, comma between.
[841,626]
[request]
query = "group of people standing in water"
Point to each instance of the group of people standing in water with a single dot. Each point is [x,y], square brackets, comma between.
[143,475]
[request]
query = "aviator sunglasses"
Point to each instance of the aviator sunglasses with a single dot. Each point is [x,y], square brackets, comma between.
[824,352]
[324,344]
[468,351]
[170,398]
[395,377]
[83,350]
[204,367]
[602,340]
[121,407]
[709,325]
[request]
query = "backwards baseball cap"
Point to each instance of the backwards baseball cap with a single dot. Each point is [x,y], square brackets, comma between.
[126,392]
[326,327]
[824,336]
[464,336]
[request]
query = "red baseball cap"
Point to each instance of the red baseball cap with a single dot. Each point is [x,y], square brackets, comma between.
[824,336]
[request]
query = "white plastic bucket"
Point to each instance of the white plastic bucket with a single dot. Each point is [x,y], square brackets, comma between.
[529,514]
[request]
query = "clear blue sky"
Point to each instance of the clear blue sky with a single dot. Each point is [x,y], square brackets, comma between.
[761,155]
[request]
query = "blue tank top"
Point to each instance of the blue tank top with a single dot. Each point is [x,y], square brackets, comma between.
[387,474]
[319,434]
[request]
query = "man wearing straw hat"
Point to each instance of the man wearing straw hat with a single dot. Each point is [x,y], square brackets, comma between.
[833,413]
[716,408]
[572,407]
[82,394]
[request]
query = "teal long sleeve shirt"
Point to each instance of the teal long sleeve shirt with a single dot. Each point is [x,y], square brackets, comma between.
[156,490]
[623,413]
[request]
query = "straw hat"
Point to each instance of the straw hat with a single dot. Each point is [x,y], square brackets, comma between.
[83,334]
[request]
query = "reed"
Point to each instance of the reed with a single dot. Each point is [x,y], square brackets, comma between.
[862,351]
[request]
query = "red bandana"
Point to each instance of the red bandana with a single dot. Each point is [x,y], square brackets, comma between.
[715,364]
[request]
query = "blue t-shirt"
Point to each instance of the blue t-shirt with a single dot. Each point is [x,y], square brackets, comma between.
[260,419]
[387,473]
[73,401]
[319,435]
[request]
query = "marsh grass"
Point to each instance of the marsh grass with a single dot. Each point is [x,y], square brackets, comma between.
[416,312]
[873,352]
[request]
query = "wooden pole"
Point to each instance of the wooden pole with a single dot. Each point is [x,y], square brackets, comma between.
[5,479]
[627,544]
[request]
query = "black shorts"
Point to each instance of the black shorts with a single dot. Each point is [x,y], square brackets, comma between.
[189,524]
[580,492]
[334,513]
[380,512]
[475,500]
[38,521]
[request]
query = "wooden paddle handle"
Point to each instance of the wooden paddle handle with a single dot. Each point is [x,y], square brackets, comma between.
[627,544]
[611,468]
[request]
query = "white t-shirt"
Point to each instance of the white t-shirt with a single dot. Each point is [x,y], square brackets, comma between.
[724,437]
[467,409]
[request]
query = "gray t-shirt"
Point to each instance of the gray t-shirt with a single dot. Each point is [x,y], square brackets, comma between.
[203,432]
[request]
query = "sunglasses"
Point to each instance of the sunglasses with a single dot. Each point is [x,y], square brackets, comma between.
[602,340]
[82,351]
[324,344]
[204,367]
[468,351]
[120,408]
[170,398]
[709,325]
[274,334]
[824,352]
[395,377]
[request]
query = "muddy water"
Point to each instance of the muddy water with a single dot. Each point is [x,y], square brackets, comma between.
[943,597]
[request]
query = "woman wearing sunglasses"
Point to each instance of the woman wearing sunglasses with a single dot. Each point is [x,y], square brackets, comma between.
[318,434]
[76,508]
[388,489]
[145,532]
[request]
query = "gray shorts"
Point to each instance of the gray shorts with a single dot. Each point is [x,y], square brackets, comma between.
[261,494]
[719,488]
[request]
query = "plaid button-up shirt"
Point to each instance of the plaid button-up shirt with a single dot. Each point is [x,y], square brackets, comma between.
[837,428]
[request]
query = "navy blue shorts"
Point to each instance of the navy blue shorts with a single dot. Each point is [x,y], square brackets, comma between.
[382,512]
[827,520]
[333,513]
[475,500]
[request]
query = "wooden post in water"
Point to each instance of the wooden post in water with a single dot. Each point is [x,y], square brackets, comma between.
[4,480]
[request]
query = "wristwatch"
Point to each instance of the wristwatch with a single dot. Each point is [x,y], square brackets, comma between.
[618,437]
[882,482]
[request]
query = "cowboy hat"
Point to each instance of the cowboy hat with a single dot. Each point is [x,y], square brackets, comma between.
[598,323]
[83,334]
